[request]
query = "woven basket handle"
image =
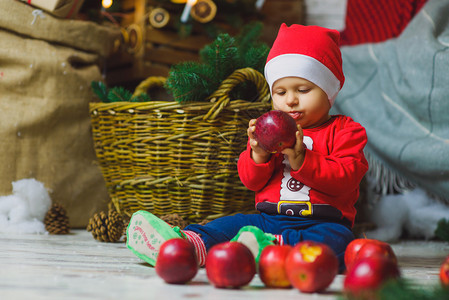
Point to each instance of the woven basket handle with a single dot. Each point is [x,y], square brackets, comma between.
[221,96]
[149,83]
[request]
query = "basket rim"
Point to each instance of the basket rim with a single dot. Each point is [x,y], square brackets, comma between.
[163,105]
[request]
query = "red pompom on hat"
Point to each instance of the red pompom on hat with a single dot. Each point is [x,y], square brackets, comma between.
[309,52]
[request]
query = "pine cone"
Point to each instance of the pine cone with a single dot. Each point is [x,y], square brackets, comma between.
[174,220]
[125,227]
[204,222]
[106,227]
[56,220]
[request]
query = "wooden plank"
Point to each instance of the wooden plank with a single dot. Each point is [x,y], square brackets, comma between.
[47,266]
[277,12]
[170,38]
[127,19]
[153,69]
[121,76]
[168,56]
[127,5]
[119,59]
[139,19]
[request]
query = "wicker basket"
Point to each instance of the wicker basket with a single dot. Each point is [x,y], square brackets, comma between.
[166,157]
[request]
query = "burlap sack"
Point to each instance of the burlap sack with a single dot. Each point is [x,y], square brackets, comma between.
[46,67]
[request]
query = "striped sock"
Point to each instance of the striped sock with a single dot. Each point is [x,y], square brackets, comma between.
[279,239]
[200,248]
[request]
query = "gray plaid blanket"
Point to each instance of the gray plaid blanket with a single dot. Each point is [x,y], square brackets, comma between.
[399,91]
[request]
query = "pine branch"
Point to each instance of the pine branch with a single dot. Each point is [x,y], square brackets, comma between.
[442,231]
[117,94]
[195,81]
[143,97]
[249,35]
[255,57]
[221,55]
[190,81]
[100,89]
[252,52]
[405,290]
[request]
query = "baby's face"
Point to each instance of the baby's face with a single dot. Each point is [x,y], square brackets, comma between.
[306,102]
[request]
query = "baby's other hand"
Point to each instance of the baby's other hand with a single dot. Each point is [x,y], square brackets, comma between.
[296,154]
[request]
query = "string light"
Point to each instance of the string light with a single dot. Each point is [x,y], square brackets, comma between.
[106,3]
[187,9]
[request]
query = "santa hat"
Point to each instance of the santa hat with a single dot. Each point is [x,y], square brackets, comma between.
[309,52]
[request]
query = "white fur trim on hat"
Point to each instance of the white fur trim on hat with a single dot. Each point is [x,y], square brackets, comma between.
[298,65]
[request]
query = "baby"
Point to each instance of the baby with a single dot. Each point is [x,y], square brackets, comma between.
[306,192]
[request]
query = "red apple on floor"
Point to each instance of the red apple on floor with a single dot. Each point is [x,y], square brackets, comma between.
[311,266]
[367,275]
[360,248]
[275,131]
[444,272]
[352,249]
[272,266]
[176,262]
[230,265]
[377,248]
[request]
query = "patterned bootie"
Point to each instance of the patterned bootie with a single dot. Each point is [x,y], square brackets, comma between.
[146,233]
[255,239]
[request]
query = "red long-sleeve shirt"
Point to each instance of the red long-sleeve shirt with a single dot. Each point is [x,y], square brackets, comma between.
[327,184]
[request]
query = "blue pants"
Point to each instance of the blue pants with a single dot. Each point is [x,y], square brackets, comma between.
[293,230]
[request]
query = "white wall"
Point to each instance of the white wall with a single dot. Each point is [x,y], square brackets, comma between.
[326,13]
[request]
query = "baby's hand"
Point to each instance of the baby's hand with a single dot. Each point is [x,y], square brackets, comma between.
[257,153]
[296,154]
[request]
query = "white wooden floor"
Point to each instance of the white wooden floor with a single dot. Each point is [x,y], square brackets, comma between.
[76,266]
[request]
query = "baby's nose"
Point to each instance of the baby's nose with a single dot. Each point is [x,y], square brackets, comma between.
[292,100]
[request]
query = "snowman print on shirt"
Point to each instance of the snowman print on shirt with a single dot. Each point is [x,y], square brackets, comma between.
[294,198]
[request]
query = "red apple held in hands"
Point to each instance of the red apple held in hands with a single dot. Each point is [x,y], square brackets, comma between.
[230,265]
[311,266]
[444,273]
[272,266]
[367,275]
[275,131]
[176,262]
[360,248]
